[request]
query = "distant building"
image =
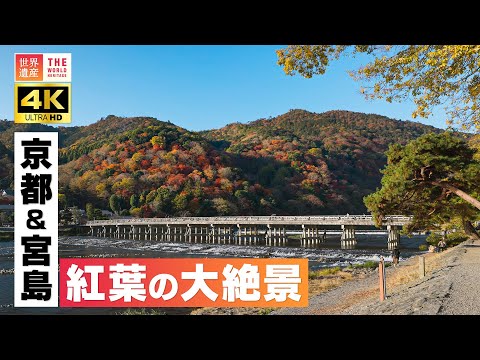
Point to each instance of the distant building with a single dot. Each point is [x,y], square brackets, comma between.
[6,192]
[107,213]
[80,211]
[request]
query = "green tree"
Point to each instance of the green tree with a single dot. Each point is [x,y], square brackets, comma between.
[76,215]
[115,203]
[90,210]
[136,212]
[180,202]
[151,196]
[62,201]
[431,75]
[159,141]
[134,201]
[434,178]
[64,217]
[224,207]
[265,174]
[162,200]
[97,214]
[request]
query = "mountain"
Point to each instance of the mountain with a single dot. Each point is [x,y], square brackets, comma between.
[296,163]
[323,163]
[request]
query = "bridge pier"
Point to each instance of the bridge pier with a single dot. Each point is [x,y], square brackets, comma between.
[273,234]
[310,235]
[168,236]
[393,237]
[348,240]
[211,233]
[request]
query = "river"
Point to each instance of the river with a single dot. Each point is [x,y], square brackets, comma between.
[370,246]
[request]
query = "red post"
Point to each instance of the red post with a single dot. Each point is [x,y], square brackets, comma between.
[381,276]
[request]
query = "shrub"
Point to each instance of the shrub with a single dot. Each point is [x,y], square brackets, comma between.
[423,247]
[433,239]
[323,272]
[451,239]
[141,311]
[456,238]
[370,264]
[265,311]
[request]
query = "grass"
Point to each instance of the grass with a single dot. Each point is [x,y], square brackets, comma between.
[265,311]
[315,274]
[141,311]
[325,283]
[370,264]
[409,272]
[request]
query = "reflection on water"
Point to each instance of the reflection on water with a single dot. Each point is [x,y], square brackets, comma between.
[321,252]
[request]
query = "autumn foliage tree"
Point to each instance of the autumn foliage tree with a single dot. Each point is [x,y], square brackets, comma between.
[297,163]
[431,75]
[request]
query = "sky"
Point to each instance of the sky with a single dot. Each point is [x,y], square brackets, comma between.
[198,87]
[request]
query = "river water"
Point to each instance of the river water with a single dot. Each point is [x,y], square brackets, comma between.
[370,246]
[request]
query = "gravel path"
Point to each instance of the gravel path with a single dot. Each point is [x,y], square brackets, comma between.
[337,299]
[464,277]
[454,288]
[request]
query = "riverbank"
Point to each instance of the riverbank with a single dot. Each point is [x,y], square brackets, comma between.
[319,282]
[451,286]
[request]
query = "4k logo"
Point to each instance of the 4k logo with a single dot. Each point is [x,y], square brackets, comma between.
[42,103]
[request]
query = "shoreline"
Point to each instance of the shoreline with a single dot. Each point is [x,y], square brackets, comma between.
[407,292]
[350,292]
[325,282]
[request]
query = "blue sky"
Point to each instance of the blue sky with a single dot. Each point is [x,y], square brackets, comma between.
[198,87]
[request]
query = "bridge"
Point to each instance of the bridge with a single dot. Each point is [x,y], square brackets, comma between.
[247,228]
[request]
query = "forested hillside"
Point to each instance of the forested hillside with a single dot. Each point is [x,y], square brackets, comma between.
[297,163]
